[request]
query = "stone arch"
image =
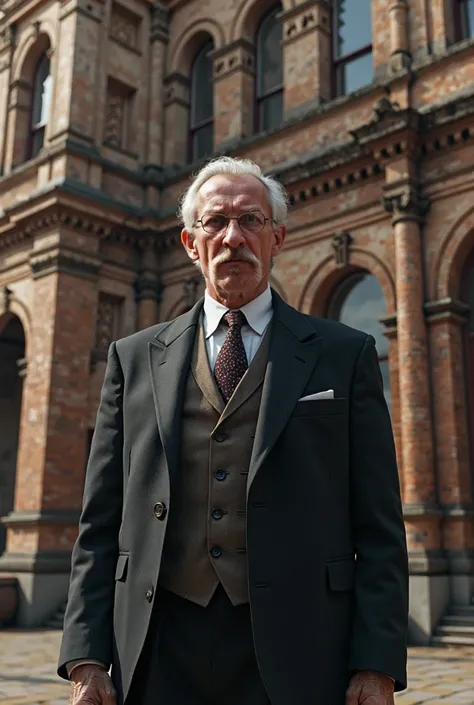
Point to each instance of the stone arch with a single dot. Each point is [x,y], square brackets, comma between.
[189,43]
[322,282]
[248,16]
[451,256]
[12,368]
[33,46]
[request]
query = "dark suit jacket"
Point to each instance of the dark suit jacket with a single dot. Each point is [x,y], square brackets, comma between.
[327,562]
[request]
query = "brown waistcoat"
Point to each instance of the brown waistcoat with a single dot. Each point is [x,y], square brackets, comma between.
[207,513]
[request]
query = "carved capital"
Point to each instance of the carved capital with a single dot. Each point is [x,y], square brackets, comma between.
[160,21]
[7,38]
[308,16]
[237,56]
[5,297]
[406,204]
[148,286]
[341,243]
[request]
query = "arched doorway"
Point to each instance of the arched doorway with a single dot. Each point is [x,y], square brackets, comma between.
[359,302]
[12,364]
[467,295]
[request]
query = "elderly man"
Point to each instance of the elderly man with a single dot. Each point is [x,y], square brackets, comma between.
[241,539]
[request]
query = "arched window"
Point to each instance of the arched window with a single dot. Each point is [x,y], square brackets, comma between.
[464,18]
[269,86]
[41,104]
[352,45]
[201,133]
[359,302]
[467,295]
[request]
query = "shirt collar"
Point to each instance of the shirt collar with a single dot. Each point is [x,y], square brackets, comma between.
[258,312]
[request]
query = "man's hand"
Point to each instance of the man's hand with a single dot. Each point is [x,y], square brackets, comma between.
[91,685]
[370,688]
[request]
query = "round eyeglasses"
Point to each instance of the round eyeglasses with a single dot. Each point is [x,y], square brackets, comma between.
[214,223]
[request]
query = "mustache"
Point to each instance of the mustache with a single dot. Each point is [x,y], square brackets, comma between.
[236,256]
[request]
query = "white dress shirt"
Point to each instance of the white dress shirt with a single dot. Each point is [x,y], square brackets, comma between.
[258,313]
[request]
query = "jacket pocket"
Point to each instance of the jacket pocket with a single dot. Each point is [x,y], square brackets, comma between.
[320,407]
[121,569]
[341,574]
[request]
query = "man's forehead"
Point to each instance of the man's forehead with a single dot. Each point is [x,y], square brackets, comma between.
[240,190]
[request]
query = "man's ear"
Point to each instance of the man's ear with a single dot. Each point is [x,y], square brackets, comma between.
[189,244]
[279,235]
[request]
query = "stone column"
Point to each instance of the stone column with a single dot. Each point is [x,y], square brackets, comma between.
[148,290]
[399,39]
[306,55]
[446,319]
[390,331]
[6,53]
[234,75]
[158,45]
[176,108]
[429,592]
[53,428]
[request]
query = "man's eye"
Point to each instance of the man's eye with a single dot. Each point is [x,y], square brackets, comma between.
[214,220]
[250,218]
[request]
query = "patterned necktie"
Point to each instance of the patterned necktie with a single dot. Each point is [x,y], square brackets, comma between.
[231,362]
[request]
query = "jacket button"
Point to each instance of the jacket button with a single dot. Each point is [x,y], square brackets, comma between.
[160,510]
[149,594]
[216,551]
[217,514]
[220,474]
[220,437]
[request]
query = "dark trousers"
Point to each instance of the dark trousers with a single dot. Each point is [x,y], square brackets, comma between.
[198,655]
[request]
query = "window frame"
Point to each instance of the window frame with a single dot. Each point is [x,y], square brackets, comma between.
[341,61]
[260,97]
[37,97]
[468,352]
[195,127]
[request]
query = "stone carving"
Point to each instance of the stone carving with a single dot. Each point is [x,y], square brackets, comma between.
[384,106]
[78,265]
[115,119]
[5,296]
[160,19]
[124,26]
[108,321]
[341,243]
[238,55]
[7,37]
[406,204]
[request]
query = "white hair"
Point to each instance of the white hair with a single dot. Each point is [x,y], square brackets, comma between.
[233,166]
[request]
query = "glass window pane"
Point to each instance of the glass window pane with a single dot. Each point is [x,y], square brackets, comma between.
[353,26]
[42,92]
[203,142]
[270,54]
[363,308]
[468,18]
[355,74]
[271,111]
[37,142]
[202,90]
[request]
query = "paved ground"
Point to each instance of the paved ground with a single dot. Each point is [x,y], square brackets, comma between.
[28,658]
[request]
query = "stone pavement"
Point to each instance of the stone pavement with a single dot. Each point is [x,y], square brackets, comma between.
[28,662]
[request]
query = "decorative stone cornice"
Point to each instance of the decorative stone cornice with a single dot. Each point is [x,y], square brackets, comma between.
[446,309]
[430,561]
[73,263]
[308,16]
[160,20]
[406,203]
[389,324]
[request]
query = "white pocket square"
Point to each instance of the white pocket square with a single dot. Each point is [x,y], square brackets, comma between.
[328,394]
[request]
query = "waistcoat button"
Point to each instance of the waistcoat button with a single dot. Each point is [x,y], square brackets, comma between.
[217,513]
[216,551]
[220,474]
[160,510]
[220,437]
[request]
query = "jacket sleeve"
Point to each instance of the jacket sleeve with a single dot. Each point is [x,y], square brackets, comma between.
[88,620]
[381,587]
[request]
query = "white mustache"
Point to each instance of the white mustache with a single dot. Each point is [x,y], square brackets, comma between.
[236,256]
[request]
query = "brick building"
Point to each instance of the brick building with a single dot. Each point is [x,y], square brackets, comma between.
[364,110]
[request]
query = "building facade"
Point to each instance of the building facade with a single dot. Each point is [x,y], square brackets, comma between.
[364,110]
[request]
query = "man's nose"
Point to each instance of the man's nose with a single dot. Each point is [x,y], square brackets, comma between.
[233,236]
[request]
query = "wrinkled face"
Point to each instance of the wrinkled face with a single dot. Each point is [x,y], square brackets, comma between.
[235,260]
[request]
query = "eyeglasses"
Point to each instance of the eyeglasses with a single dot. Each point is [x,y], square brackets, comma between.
[214,223]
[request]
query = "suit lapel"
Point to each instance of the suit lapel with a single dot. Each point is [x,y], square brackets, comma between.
[170,358]
[202,372]
[293,354]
